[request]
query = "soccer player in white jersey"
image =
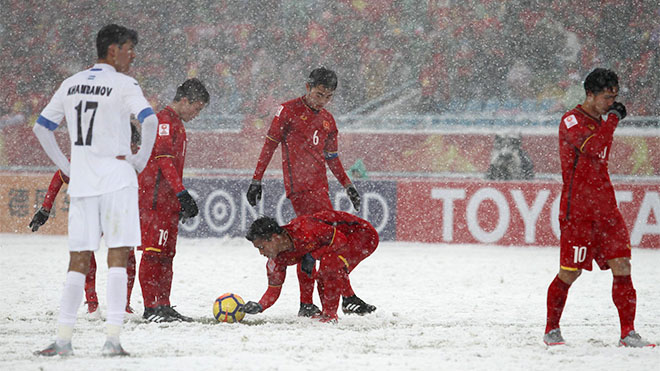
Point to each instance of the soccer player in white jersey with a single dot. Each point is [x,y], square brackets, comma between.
[97,104]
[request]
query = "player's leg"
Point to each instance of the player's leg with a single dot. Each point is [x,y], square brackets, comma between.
[574,255]
[130,272]
[120,223]
[362,243]
[616,254]
[307,203]
[91,299]
[84,237]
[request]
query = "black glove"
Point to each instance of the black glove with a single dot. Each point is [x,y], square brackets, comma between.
[252,307]
[308,264]
[354,196]
[254,192]
[188,206]
[39,218]
[618,109]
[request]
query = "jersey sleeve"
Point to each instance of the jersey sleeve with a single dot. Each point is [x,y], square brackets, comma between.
[330,150]
[136,102]
[53,114]
[273,139]
[587,141]
[54,188]
[163,154]
[276,274]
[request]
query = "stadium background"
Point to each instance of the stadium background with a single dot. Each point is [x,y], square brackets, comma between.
[424,86]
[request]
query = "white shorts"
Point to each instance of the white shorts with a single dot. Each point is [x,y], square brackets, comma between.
[114,215]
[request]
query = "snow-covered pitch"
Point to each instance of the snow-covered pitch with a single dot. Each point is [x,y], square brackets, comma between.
[439,308]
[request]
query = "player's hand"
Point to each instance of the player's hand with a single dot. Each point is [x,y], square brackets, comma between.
[188,206]
[254,192]
[354,196]
[39,219]
[252,307]
[619,110]
[308,264]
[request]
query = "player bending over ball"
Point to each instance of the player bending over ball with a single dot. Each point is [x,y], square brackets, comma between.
[590,222]
[339,240]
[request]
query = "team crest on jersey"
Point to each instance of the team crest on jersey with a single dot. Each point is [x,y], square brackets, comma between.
[303,117]
[164,129]
[570,121]
[326,125]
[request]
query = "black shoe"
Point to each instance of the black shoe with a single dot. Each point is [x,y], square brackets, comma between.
[308,310]
[170,311]
[355,305]
[157,315]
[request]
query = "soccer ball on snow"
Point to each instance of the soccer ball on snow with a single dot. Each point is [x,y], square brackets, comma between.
[228,307]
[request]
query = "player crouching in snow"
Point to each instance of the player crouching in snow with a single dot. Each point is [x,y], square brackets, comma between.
[339,240]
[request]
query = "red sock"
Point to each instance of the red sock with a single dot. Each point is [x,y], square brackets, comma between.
[148,276]
[306,284]
[625,300]
[90,282]
[557,293]
[130,272]
[165,281]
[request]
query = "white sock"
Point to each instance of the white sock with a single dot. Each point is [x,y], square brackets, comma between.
[117,279]
[72,295]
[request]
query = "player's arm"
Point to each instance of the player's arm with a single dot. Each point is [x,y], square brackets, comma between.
[49,119]
[593,143]
[334,164]
[41,216]
[139,106]
[276,276]
[273,139]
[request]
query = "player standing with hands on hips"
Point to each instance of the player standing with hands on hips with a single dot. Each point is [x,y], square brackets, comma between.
[591,225]
[164,201]
[308,135]
[97,104]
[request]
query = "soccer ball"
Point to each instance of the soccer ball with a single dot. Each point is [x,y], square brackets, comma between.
[228,307]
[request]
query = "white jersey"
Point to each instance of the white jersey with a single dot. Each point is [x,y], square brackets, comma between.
[97,104]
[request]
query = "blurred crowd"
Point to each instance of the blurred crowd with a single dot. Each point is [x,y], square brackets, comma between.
[477,55]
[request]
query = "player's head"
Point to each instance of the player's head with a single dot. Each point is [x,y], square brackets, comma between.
[190,98]
[114,45]
[602,88]
[268,236]
[321,85]
[601,79]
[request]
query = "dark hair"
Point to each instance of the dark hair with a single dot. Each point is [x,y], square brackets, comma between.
[601,79]
[263,228]
[194,90]
[323,76]
[113,34]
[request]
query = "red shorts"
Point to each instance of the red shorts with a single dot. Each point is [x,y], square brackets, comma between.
[159,233]
[587,240]
[310,202]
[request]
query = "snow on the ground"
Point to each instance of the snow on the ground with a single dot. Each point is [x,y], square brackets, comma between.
[439,307]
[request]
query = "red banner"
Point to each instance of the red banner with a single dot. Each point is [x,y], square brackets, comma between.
[509,213]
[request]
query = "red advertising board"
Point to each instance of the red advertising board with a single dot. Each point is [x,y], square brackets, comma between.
[509,213]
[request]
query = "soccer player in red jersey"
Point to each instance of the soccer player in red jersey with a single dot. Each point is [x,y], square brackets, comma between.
[339,240]
[308,135]
[164,201]
[42,215]
[591,225]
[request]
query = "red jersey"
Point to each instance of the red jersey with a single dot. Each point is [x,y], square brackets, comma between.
[328,232]
[309,140]
[584,149]
[160,180]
